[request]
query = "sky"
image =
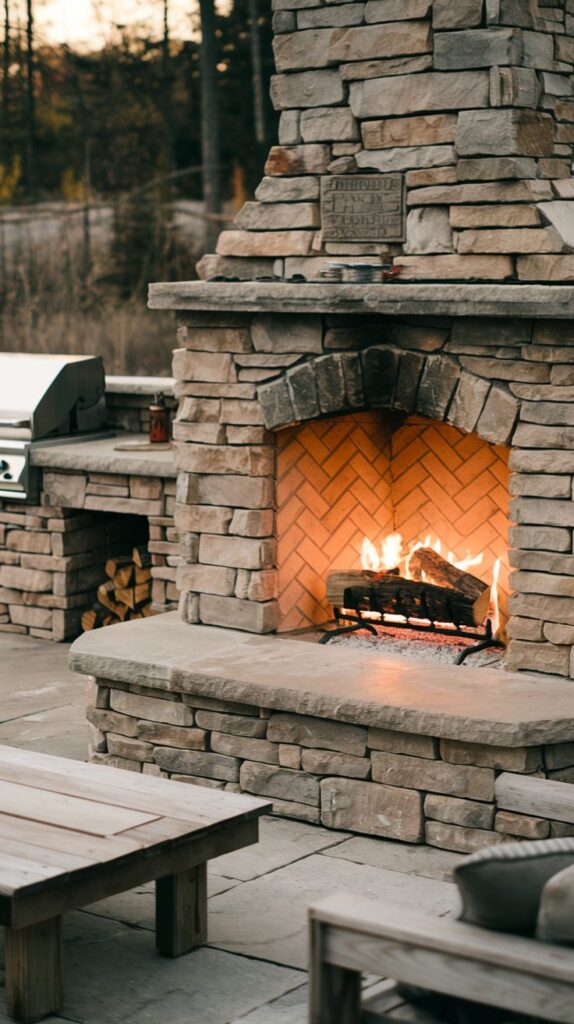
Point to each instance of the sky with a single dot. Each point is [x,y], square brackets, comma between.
[88,22]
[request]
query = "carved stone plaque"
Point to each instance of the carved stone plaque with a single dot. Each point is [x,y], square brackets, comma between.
[363,208]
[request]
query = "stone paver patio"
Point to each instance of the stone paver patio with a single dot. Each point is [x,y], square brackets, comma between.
[254,969]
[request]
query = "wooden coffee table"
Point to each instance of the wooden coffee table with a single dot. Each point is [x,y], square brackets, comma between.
[73,833]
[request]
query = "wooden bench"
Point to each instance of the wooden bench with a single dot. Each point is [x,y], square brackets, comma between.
[73,833]
[350,936]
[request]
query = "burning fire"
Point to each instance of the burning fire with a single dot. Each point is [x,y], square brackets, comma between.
[392,556]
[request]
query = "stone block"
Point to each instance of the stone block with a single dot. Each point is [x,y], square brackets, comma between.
[330,382]
[289,756]
[68,489]
[275,216]
[302,384]
[486,192]
[544,511]
[396,10]
[497,420]
[29,541]
[505,132]
[292,809]
[430,91]
[544,657]
[240,412]
[494,216]
[477,48]
[236,725]
[546,268]
[246,523]
[410,370]
[391,39]
[206,579]
[427,130]
[428,231]
[505,369]
[198,762]
[460,839]
[277,404]
[210,266]
[306,48]
[248,492]
[326,762]
[264,243]
[36,618]
[559,755]
[433,776]
[302,89]
[506,759]
[509,240]
[35,580]
[380,371]
[525,629]
[252,616]
[248,460]
[203,366]
[332,16]
[451,810]
[123,746]
[514,87]
[266,780]
[371,809]
[238,552]
[496,167]
[463,14]
[438,381]
[202,518]
[245,747]
[454,268]
[468,402]
[162,734]
[547,486]
[522,825]
[287,190]
[287,333]
[317,733]
[361,70]
[524,582]
[552,609]
[405,158]
[112,721]
[402,743]
[153,709]
[283,21]
[328,124]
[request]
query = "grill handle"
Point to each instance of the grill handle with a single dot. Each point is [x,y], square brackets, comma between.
[5,424]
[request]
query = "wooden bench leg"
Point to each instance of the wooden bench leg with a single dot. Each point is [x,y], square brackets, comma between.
[181,911]
[34,986]
[334,992]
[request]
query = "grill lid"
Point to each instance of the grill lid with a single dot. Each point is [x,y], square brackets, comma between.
[46,395]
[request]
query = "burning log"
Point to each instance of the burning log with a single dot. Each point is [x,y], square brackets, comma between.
[452,596]
[443,573]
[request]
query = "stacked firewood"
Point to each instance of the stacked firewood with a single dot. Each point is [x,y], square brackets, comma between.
[125,594]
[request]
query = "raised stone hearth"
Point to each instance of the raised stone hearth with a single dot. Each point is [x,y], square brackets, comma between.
[401,750]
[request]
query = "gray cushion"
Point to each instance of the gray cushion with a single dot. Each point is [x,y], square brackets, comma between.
[556,911]
[501,886]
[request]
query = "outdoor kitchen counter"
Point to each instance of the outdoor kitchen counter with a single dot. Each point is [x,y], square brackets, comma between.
[101,457]
[475,705]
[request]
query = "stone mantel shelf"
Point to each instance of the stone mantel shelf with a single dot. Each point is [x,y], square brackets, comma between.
[473,705]
[555,301]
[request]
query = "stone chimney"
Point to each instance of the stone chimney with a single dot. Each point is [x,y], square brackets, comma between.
[435,135]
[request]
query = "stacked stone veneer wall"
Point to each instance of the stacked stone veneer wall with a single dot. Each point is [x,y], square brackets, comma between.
[379,782]
[471,99]
[511,382]
[52,554]
[342,479]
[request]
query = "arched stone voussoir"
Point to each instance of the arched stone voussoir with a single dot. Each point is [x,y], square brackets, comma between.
[488,410]
[324,386]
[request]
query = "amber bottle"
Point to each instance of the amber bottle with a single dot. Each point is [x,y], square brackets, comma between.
[159,420]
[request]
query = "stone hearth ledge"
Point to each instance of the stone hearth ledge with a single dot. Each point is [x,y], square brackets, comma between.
[473,705]
[391,299]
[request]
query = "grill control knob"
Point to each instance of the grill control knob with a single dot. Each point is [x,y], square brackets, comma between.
[3,465]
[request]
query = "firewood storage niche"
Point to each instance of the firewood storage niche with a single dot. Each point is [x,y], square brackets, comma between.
[392,518]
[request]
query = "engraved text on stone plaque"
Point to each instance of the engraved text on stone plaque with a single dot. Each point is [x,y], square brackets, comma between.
[363,208]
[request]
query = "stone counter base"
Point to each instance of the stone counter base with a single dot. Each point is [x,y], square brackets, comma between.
[52,555]
[378,782]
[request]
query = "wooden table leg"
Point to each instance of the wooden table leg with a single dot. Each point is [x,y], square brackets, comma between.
[334,992]
[181,911]
[34,986]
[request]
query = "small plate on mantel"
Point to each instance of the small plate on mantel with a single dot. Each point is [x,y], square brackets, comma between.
[143,446]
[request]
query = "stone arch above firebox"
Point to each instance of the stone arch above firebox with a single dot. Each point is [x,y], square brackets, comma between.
[384,377]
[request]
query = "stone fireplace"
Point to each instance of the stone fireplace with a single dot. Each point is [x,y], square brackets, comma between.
[428,147]
[381,344]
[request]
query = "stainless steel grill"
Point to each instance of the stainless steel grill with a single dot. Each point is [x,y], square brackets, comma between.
[44,399]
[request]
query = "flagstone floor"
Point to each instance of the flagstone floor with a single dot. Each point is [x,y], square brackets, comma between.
[253,971]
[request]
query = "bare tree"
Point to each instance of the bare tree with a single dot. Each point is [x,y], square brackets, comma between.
[6,57]
[257,76]
[30,99]
[210,145]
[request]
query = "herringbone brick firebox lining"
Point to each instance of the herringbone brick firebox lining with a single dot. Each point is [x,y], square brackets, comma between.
[370,474]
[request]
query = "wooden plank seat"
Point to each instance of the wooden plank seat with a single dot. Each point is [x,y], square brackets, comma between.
[73,833]
[350,936]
